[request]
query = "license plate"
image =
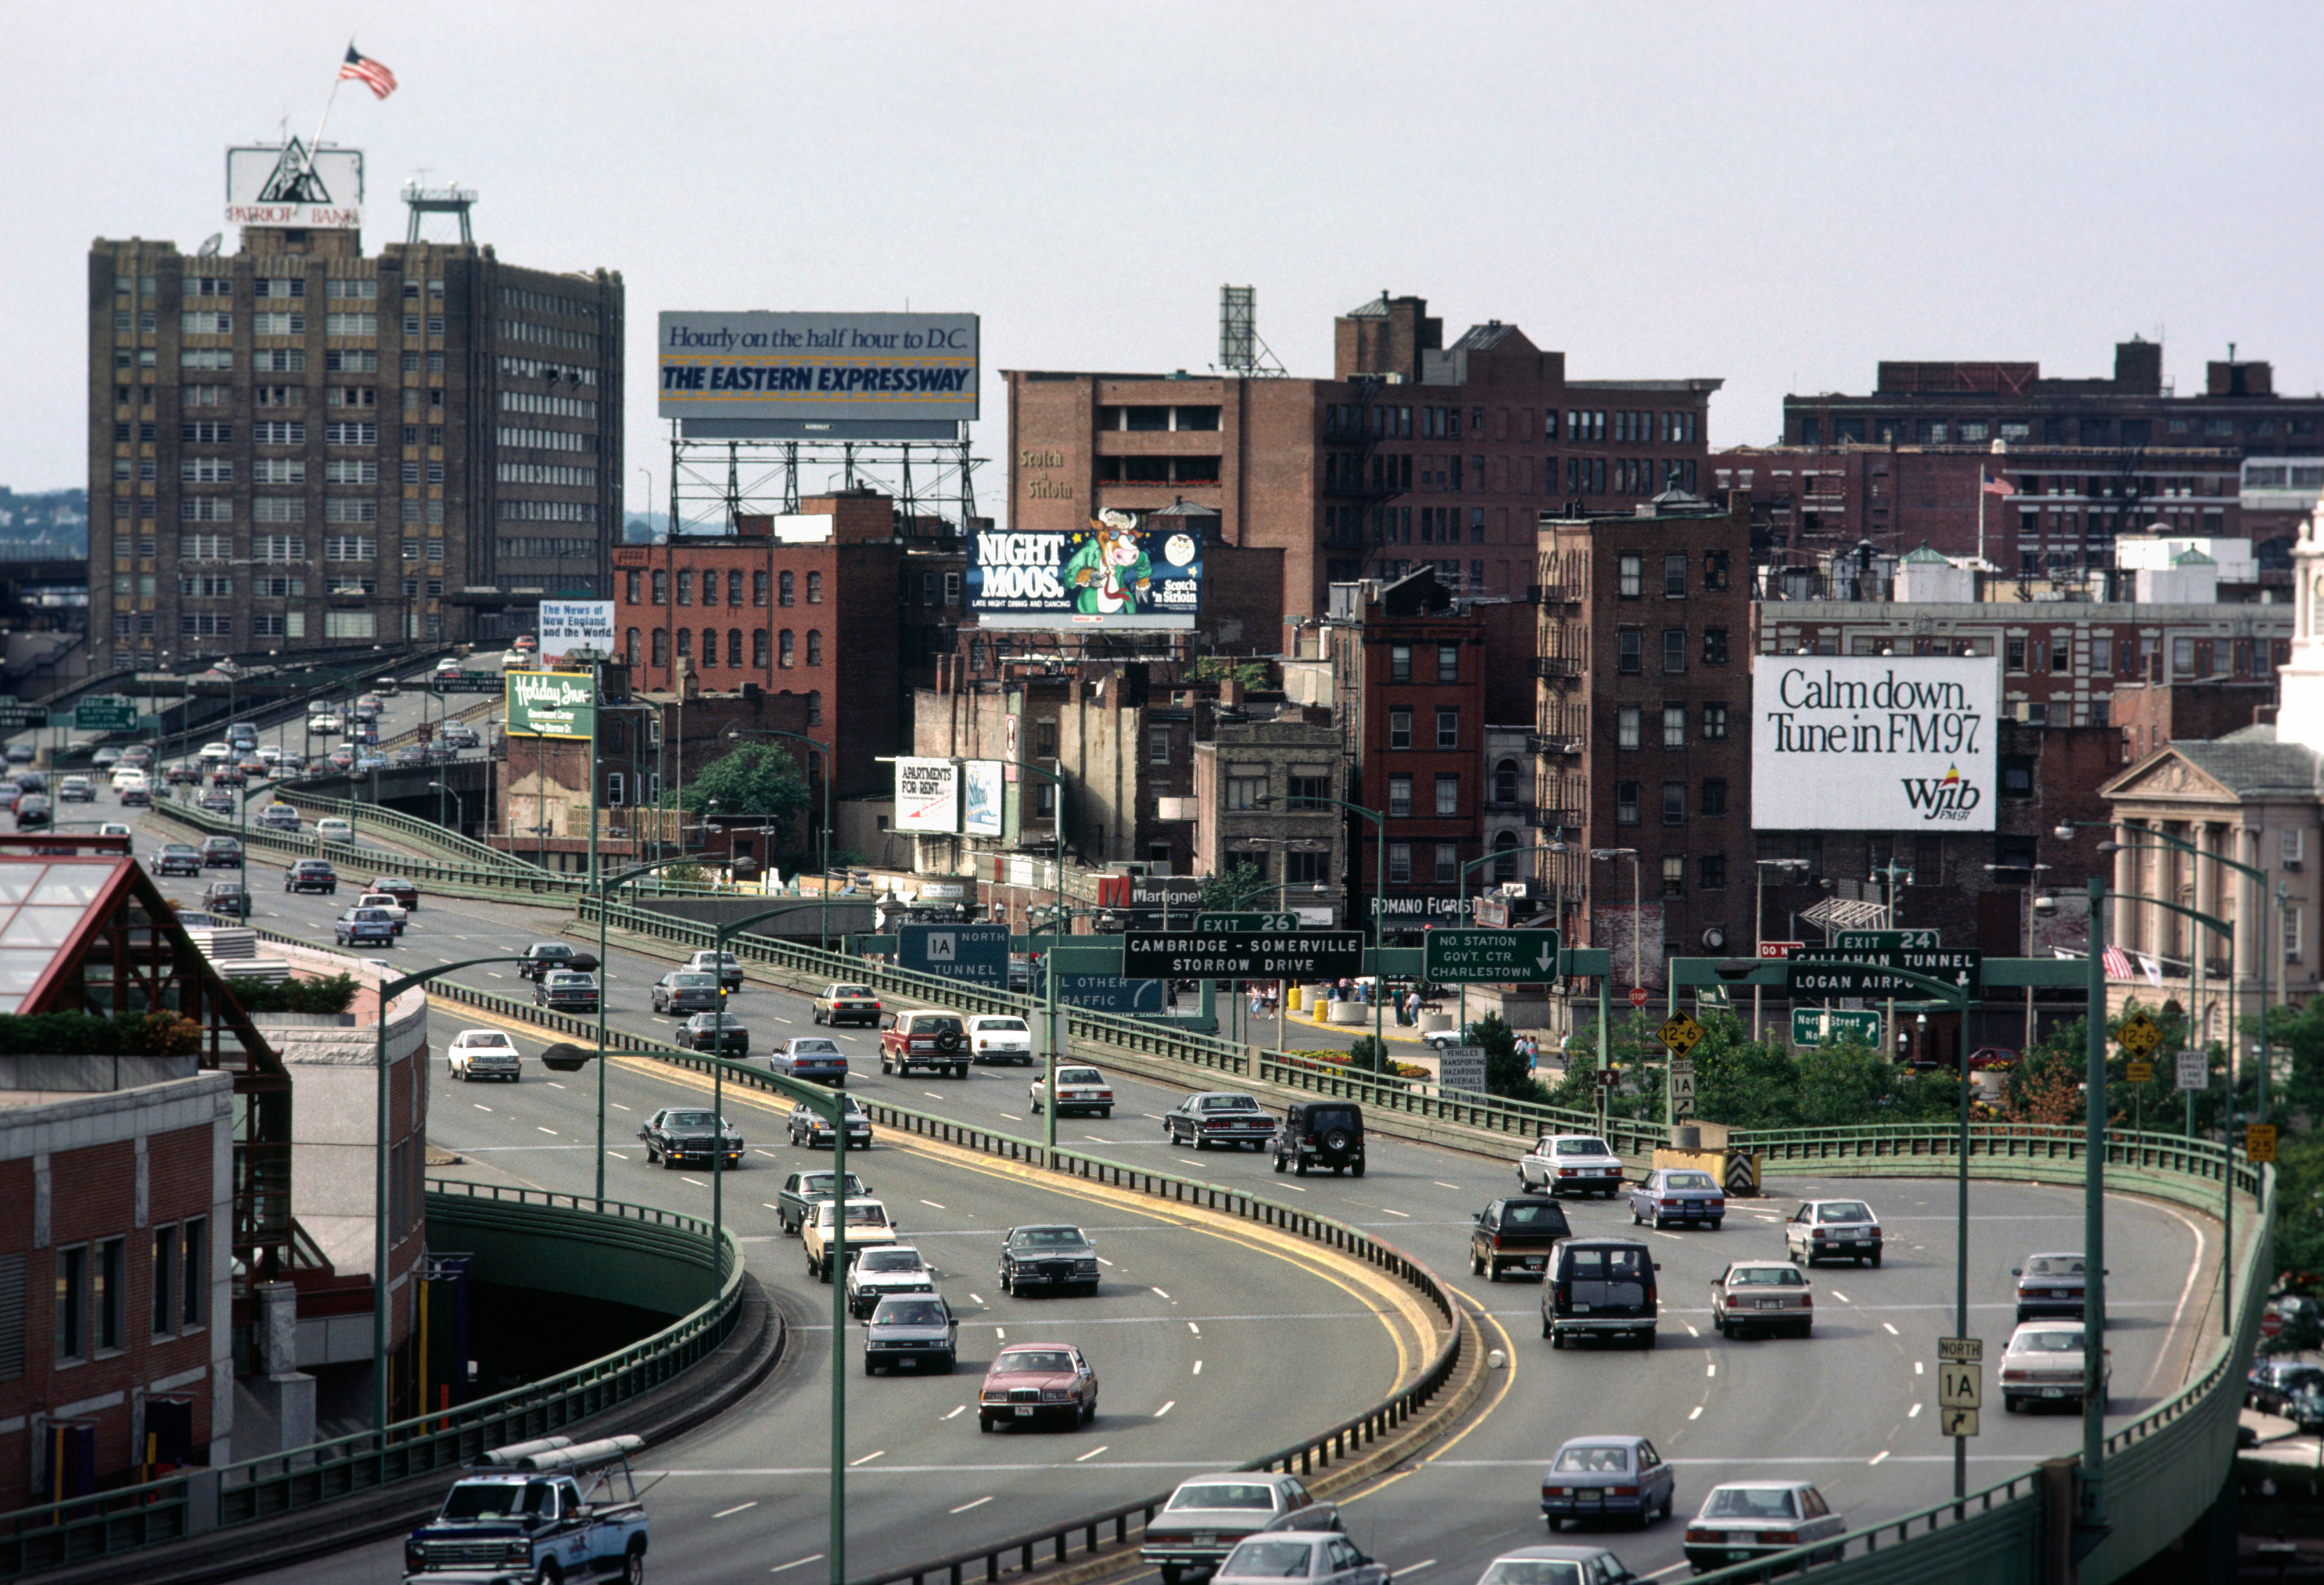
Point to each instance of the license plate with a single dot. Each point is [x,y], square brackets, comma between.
[1771,1303]
[1589,1496]
[2053,1392]
[1536,1262]
[1204,1539]
[1024,1410]
[1581,1308]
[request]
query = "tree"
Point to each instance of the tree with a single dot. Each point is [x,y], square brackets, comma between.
[1250,674]
[1505,1070]
[1229,887]
[752,780]
[1368,1055]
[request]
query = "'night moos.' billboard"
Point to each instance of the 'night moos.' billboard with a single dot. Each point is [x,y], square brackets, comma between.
[1874,742]
[1118,572]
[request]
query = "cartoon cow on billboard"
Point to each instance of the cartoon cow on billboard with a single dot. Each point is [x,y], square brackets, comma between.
[1108,572]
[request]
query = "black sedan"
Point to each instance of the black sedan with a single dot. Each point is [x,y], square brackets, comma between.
[809,1126]
[178,858]
[540,957]
[221,852]
[1219,1118]
[566,991]
[720,1031]
[311,875]
[677,1135]
[1056,1255]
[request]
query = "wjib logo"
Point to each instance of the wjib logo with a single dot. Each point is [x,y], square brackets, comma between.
[1949,796]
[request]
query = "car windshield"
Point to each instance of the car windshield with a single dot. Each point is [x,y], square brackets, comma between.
[1321,1117]
[1225,1494]
[1080,1076]
[1586,1263]
[1751,1502]
[483,1499]
[2056,1340]
[867,1216]
[909,1312]
[893,1260]
[1688,1180]
[1523,1215]
[1597,1460]
[815,1048]
[1844,1211]
[551,949]
[2055,1265]
[1269,1560]
[178,847]
[572,981]
[1049,1238]
[1582,1148]
[1052,1359]
[851,991]
[1533,1570]
[487,1042]
[689,1119]
[693,981]
[1002,1027]
[1773,1276]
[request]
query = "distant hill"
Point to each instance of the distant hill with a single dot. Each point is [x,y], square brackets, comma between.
[46,521]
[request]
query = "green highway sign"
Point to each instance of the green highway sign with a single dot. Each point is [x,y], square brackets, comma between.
[13,714]
[1859,941]
[1472,958]
[104,713]
[1241,955]
[1252,922]
[1827,971]
[1813,1025]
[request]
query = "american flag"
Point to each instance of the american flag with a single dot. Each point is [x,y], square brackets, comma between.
[373,75]
[1993,486]
[2117,964]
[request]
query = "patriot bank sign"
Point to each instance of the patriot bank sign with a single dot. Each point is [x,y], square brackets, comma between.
[551,703]
[1875,743]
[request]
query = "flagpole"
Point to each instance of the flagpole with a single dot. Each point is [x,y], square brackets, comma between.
[336,79]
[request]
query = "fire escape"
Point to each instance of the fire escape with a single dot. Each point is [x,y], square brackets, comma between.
[1561,738]
[1356,477]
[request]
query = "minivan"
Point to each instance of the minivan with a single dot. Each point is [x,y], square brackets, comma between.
[1599,1287]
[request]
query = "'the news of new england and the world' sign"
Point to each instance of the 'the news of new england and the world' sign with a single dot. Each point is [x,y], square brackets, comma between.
[1118,572]
[550,703]
[1874,742]
[285,185]
[567,625]
[824,367]
[927,797]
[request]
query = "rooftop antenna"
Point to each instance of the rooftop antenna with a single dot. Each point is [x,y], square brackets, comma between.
[1240,350]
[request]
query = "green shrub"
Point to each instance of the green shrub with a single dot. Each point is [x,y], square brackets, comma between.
[334,995]
[152,1034]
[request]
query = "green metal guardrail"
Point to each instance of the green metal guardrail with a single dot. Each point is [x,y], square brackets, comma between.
[52,1535]
[412,828]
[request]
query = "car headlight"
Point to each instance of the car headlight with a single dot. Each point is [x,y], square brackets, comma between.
[1055,1394]
[1086,1267]
[995,1395]
[517,1552]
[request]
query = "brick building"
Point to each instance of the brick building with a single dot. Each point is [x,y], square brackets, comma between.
[1412,453]
[1251,778]
[297,447]
[1640,743]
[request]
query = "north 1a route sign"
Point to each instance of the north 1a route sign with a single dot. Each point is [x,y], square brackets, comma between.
[1303,954]
[1474,957]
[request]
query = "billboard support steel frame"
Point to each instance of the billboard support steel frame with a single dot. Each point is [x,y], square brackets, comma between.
[713,481]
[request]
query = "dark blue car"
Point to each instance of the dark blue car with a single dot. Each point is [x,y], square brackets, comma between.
[357,927]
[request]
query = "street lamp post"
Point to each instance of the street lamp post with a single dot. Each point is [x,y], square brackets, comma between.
[1557,845]
[1057,923]
[822,888]
[459,810]
[606,887]
[1380,908]
[2032,880]
[1759,917]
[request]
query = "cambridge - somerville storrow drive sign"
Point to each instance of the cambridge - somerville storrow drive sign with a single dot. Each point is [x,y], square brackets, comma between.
[1875,743]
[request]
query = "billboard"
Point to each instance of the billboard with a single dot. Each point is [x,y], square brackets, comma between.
[1874,742]
[927,797]
[1117,573]
[567,625]
[818,366]
[979,798]
[285,185]
[551,703]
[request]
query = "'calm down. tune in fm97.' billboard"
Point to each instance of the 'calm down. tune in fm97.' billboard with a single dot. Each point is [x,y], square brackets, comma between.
[820,367]
[1119,572]
[1875,743]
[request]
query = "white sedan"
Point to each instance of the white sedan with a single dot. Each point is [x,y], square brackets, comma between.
[323,725]
[476,1053]
[1079,1089]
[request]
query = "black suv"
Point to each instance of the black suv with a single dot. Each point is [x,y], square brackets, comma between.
[1319,1134]
[541,956]
[1601,1288]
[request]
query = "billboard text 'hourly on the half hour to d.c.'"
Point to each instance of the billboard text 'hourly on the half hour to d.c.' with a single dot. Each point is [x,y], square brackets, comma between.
[818,366]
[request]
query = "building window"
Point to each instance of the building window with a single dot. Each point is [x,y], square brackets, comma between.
[709,646]
[1400,860]
[1673,803]
[2291,919]
[1157,745]
[785,588]
[734,648]
[1714,563]
[1714,795]
[1631,650]
[1245,789]
[1626,802]
[1710,871]
[815,588]
[1448,728]
[1448,663]
[1045,740]
[629,649]
[1714,646]
[1630,577]
[1714,722]
[660,647]
[686,587]
[784,651]
[1448,792]
[1399,728]
[735,588]
[1674,575]
[1625,726]
[814,647]
[2014,654]
[165,1280]
[1307,869]
[630,584]
[759,587]
[1399,663]
[1505,856]
[1448,862]
[1399,795]
[1673,726]
[1674,875]
[758,649]
[686,643]
[72,1303]
[710,588]
[1674,649]
[1309,788]
[1505,782]
[660,586]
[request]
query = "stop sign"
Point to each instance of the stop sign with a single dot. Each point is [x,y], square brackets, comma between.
[1638,996]
[2270,1323]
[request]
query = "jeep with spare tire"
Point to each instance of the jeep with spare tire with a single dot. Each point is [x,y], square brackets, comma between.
[924,1038]
[1321,1134]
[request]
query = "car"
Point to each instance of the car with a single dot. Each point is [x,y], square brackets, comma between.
[221,852]
[33,814]
[311,875]
[1761,1296]
[1442,1039]
[22,753]
[229,775]
[216,799]
[1605,1478]
[460,735]
[242,730]
[1079,1089]
[2043,1363]
[448,668]
[1833,1229]
[725,965]
[388,905]
[1207,1515]
[810,1127]
[524,643]
[566,991]
[2272,1386]
[411,757]
[31,781]
[341,759]
[484,1053]
[367,762]
[810,1056]
[1052,1255]
[515,660]
[251,765]
[1744,1520]
[1601,1288]
[178,858]
[2051,1284]
[335,828]
[541,956]
[910,1329]
[136,793]
[1516,1233]
[1316,1550]
[682,991]
[323,723]
[802,1191]
[1028,1382]
[75,789]
[1683,1194]
[677,1135]
[1558,1565]
[105,757]
[1219,1116]
[1319,1134]
[123,775]
[882,1273]
[113,828]
[9,794]
[996,1037]
[723,1032]
[924,1038]
[213,755]
[358,926]
[368,707]
[278,818]
[291,764]
[226,897]
[869,1227]
[1570,1163]
[271,753]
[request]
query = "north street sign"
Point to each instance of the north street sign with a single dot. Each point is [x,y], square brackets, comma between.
[104,713]
[1261,923]
[1861,941]
[1960,1351]
[1473,957]
[976,953]
[1832,971]
[1306,955]
[1813,1025]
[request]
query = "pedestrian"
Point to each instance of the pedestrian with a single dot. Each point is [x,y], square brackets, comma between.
[1257,1002]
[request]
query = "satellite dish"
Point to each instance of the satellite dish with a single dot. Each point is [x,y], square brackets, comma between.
[210,248]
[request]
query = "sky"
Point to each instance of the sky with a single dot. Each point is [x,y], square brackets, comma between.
[1778,196]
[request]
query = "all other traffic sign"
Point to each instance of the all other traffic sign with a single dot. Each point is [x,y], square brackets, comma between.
[1472,958]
